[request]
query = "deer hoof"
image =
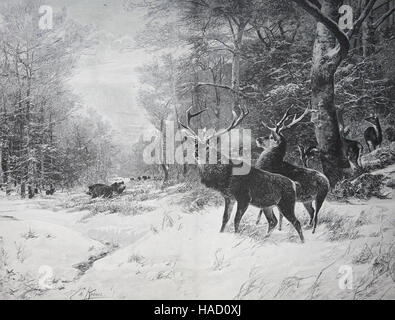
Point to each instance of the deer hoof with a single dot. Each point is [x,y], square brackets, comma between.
[272,226]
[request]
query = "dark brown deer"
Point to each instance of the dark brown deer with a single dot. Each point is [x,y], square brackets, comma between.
[311,185]
[307,153]
[352,149]
[373,135]
[257,187]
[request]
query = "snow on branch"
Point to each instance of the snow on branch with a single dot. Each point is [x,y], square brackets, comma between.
[217,85]
[343,38]
[329,23]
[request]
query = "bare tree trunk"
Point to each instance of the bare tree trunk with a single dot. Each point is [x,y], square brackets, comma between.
[217,79]
[4,164]
[322,99]
[29,146]
[367,35]
[165,172]
[327,56]
[23,189]
[4,153]
[163,155]
[175,104]
[238,39]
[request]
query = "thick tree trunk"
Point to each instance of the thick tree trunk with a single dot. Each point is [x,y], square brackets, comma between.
[175,104]
[165,172]
[322,83]
[367,35]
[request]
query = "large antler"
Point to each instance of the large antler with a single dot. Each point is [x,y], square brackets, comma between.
[280,126]
[189,116]
[236,120]
[294,121]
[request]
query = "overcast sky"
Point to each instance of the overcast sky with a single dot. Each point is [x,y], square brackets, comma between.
[106,80]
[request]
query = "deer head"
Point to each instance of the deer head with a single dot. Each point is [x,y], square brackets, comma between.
[276,137]
[373,119]
[204,137]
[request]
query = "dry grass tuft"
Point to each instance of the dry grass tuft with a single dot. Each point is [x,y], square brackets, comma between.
[364,187]
[340,227]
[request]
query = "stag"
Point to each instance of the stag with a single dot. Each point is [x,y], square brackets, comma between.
[373,135]
[311,185]
[352,149]
[306,154]
[257,187]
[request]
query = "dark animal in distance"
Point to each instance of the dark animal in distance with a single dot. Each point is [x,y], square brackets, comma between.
[373,135]
[119,187]
[105,191]
[306,154]
[311,185]
[31,192]
[257,187]
[50,191]
[140,178]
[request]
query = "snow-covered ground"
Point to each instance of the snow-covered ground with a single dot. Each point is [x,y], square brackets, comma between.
[154,248]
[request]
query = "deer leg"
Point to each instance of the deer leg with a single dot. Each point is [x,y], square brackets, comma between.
[280,221]
[271,219]
[310,210]
[259,216]
[287,208]
[242,205]
[359,159]
[368,144]
[319,200]
[229,203]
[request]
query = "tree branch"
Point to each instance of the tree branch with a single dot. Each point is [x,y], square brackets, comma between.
[329,23]
[383,17]
[218,85]
[260,36]
[361,19]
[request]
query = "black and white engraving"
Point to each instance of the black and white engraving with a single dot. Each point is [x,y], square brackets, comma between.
[142,140]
